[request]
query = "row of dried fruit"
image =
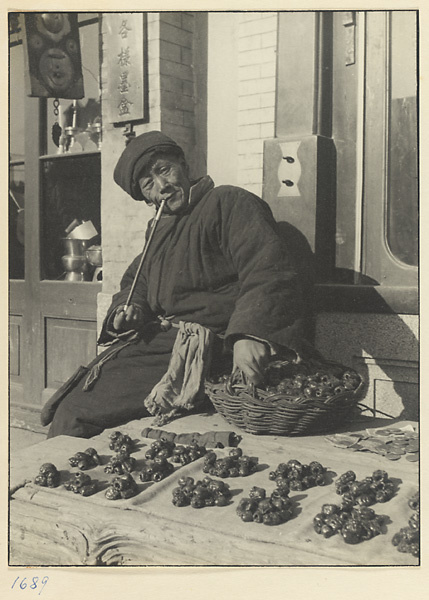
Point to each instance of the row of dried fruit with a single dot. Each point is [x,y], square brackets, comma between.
[352,518]
[156,466]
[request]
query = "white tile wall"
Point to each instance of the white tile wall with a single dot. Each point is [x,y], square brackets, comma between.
[257,56]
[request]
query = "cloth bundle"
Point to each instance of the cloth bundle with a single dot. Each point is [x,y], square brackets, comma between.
[182,386]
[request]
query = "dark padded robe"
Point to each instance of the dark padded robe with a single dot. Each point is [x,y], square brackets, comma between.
[221,264]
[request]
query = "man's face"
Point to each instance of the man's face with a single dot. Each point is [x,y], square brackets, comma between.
[167,179]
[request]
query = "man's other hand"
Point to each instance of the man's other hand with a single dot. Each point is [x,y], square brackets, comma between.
[251,357]
[131,319]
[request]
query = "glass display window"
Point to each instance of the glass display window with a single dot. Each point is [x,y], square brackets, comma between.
[402,201]
[16,155]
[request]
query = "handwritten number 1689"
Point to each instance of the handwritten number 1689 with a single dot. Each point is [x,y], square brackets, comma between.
[33,583]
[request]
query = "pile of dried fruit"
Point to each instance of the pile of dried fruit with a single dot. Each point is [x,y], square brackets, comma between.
[81,484]
[354,524]
[304,380]
[120,464]
[276,509]
[187,454]
[156,470]
[48,476]
[162,448]
[353,519]
[376,488]
[207,492]
[407,539]
[122,487]
[298,381]
[85,460]
[234,465]
[297,477]
[121,442]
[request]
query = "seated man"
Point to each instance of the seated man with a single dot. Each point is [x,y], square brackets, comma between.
[215,259]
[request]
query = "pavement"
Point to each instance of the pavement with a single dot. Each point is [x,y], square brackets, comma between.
[21,438]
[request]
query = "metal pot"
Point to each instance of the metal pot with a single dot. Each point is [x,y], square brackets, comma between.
[76,247]
[74,263]
[93,256]
[77,276]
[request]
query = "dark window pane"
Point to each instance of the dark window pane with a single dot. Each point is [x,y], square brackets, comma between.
[16,220]
[16,170]
[402,207]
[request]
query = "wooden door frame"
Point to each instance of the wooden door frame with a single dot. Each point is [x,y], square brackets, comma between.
[33,299]
[378,260]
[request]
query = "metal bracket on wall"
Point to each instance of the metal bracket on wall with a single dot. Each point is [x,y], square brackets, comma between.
[349,23]
[289,171]
[299,186]
[129,133]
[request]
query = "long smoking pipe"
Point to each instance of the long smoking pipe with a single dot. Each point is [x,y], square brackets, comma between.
[145,249]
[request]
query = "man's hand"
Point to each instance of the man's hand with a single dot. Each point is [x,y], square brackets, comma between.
[131,319]
[251,357]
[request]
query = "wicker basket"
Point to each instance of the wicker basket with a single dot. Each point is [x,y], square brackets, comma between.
[264,413]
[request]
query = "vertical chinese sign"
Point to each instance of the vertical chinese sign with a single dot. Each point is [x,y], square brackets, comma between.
[126,98]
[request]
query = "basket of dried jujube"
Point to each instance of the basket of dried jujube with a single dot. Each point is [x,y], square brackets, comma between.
[311,396]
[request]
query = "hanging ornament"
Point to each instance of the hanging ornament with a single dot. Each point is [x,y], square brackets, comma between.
[56,127]
[52,55]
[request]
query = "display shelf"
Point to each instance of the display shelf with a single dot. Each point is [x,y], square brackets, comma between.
[70,193]
[65,155]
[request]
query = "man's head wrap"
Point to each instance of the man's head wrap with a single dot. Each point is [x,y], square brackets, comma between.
[137,155]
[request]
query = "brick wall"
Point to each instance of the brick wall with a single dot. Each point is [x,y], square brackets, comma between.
[176,77]
[182,85]
[257,57]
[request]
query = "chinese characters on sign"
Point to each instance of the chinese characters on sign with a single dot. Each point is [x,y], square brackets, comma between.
[123,30]
[127,86]
[124,84]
